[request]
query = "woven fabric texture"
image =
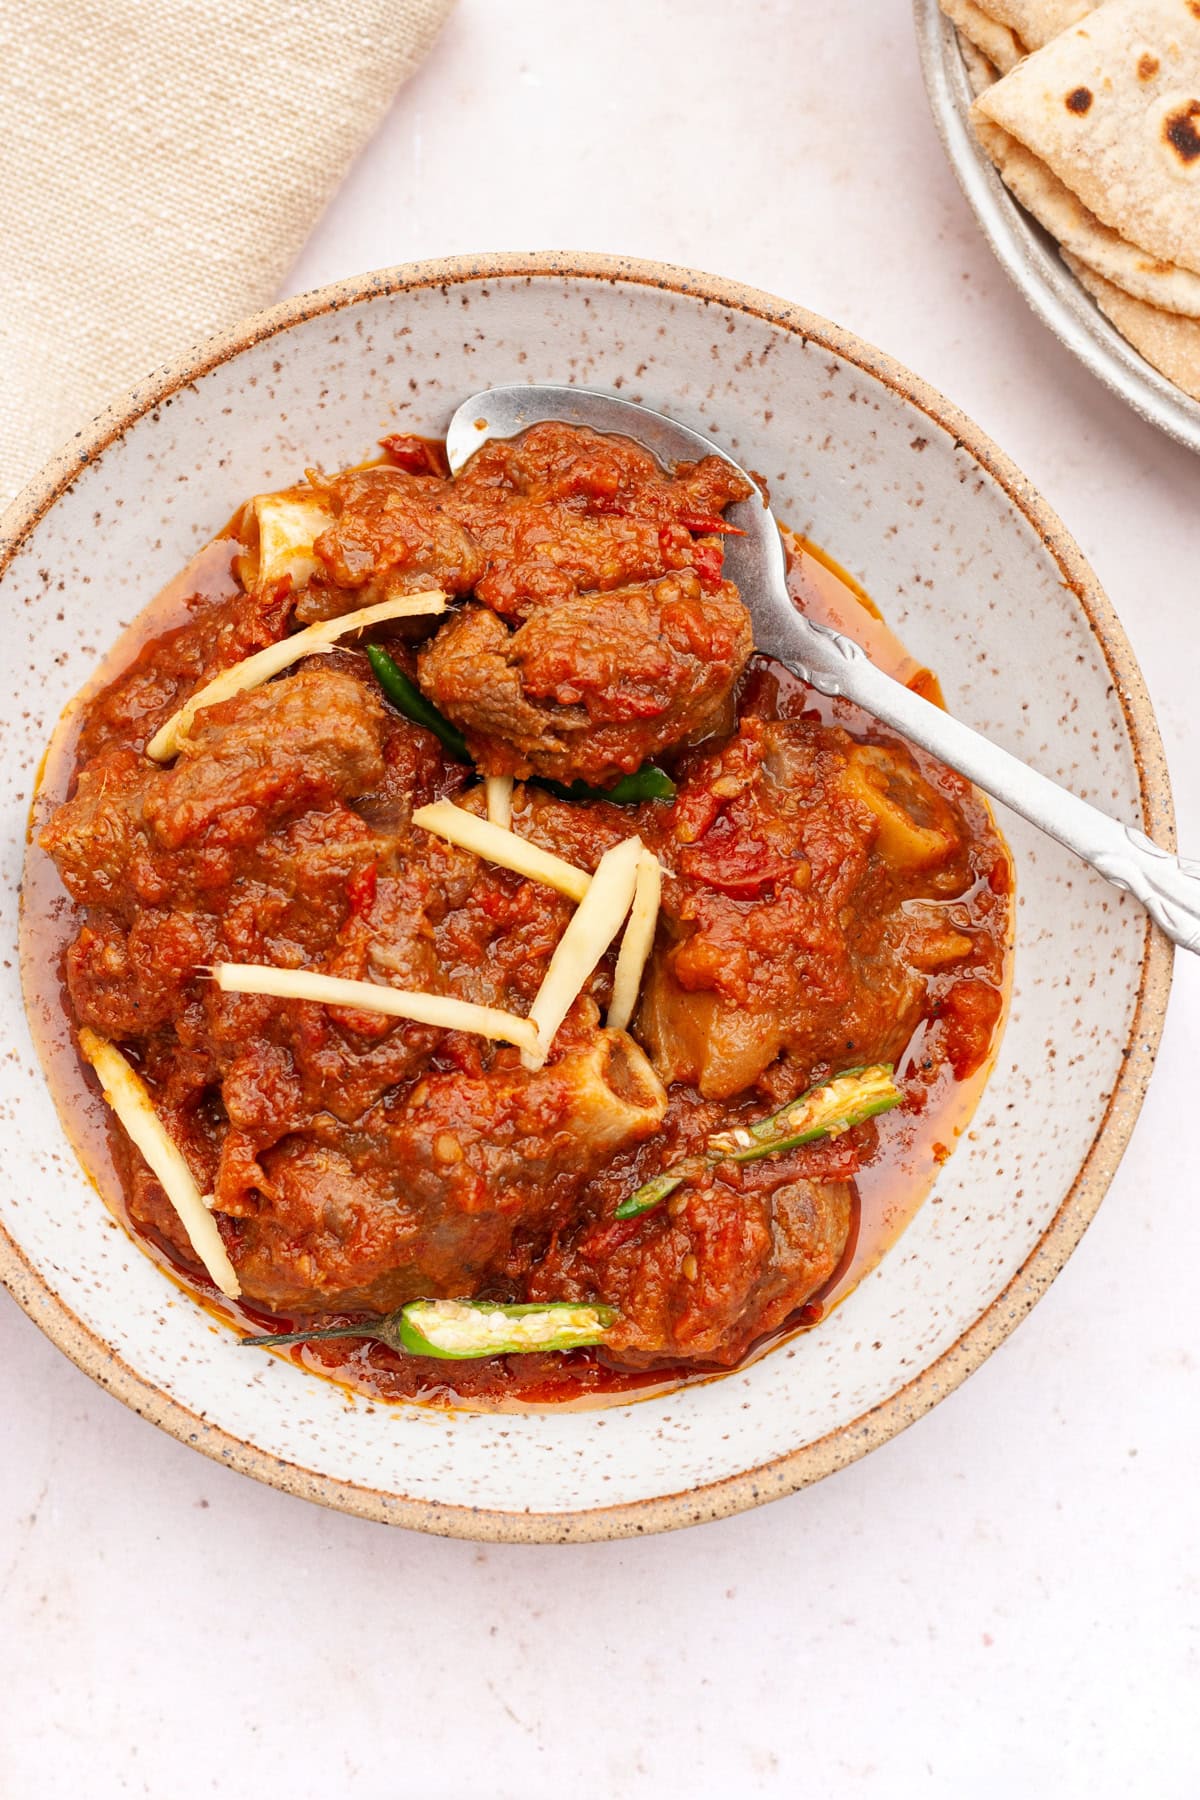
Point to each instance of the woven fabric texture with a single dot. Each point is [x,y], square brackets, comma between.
[163,163]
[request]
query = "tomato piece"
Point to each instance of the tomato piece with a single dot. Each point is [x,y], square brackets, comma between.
[734,863]
[695,812]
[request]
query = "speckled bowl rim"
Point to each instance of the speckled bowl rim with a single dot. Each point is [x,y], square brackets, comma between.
[797,1468]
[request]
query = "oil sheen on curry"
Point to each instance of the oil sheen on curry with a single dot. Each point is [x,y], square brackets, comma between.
[507,986]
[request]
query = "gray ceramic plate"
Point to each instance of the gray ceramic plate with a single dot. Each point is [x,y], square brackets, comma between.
[1029,255]
[981,580]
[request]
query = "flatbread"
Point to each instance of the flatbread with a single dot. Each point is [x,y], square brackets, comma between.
[1112,108]
[1035,22]
[996,42]
[1065,217]
[1169,341]
[980,71]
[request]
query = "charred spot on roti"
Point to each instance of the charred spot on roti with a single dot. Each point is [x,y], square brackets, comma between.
[1079,100]
[1148,66]
[1181,130]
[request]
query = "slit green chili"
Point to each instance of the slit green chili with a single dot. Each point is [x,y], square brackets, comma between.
[824,1111]
[456,1330]
[647,783]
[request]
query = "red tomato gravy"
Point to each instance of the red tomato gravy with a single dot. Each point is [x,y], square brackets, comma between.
[831,898]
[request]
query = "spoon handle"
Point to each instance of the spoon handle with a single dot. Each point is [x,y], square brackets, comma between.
[1167,886]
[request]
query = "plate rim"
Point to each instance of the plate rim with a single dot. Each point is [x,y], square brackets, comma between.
[1029,255]
[808,1463]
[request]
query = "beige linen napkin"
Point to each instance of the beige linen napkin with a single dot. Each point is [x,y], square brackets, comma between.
[161,164]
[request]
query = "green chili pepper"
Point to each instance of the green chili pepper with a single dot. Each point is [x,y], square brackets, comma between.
[463,1328]
[653,1193]
[408,699]
[648,783]
[455,1330]
[824,1111]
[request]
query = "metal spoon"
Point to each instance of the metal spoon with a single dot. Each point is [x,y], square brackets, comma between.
[1166,885]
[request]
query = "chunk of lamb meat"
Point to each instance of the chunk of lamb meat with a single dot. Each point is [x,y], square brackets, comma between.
[389,536]
[783,931]
[594,686]
[136,835]
[700,1282]
[554,462]
[324,1220]
[562,510]
[428,910]
[530,521]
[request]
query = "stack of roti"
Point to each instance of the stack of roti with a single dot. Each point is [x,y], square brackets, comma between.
[1091,113]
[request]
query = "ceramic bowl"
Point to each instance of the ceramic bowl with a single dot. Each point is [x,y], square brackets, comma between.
[981,580]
